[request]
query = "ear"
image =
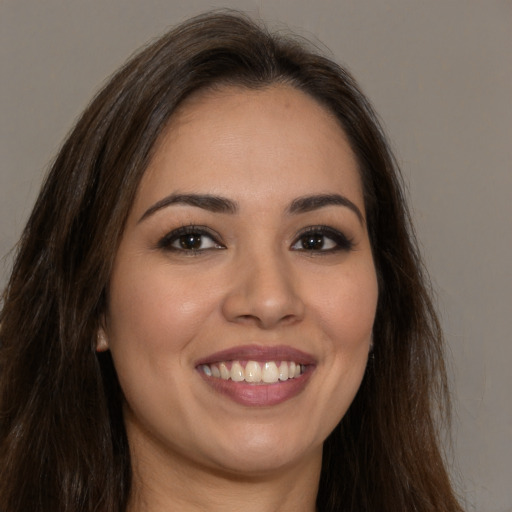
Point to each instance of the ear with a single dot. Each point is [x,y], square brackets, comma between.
[101,341]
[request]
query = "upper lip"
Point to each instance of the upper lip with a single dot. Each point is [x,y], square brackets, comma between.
[259,353]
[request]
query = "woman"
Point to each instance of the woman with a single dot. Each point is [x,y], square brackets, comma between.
[218,302]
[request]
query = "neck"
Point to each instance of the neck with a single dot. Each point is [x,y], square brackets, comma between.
[162,484]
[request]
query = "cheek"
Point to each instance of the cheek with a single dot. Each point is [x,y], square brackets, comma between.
[347,310]
[154,319]
[344,307]
[155,311]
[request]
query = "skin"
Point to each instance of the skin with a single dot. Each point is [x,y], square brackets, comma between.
[253,282]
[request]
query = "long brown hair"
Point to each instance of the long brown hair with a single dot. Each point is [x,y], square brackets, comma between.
[63,445]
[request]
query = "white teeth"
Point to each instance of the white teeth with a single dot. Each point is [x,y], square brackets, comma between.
[254,372]
[237,372]
[270,373]
[283,371]
[224,372]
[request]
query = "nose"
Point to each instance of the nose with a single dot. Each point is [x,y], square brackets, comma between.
[264,292]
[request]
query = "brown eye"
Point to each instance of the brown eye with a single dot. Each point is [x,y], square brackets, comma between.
[190,242]
[322,239]
[312,242]
[190,239]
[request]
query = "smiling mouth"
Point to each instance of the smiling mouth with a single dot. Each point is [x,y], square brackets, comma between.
[257,375]
[254,372]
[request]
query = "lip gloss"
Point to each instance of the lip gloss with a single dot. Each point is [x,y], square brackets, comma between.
[259,393]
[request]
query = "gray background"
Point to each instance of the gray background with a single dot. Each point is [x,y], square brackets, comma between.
[440,75]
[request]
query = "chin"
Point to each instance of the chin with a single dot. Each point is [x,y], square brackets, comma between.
[258,451]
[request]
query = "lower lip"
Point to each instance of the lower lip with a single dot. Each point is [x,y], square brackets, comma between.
[260,394]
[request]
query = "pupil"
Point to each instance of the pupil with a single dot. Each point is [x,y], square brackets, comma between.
[190,241]
[313,242]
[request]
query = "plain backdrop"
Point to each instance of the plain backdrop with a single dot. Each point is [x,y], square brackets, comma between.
[440,75]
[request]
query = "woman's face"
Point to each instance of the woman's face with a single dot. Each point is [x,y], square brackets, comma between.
[243,292]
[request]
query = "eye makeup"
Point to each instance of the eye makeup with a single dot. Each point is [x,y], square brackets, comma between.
[190,239]
[193,239]
[322,239]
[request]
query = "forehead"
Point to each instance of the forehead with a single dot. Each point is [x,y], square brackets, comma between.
[248,143]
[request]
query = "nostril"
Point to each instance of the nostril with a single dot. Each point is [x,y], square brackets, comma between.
[289,318]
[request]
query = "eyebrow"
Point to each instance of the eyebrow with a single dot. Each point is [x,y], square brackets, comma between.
[218,204]
[211,203]
[309,203]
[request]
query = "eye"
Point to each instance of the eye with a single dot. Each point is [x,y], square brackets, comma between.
[190,239]
[322,239]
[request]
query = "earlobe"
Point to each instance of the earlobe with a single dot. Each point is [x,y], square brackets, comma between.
[101,341]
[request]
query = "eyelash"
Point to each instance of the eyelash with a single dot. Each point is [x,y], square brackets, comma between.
[174,236]
[321,233]
[342,242]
